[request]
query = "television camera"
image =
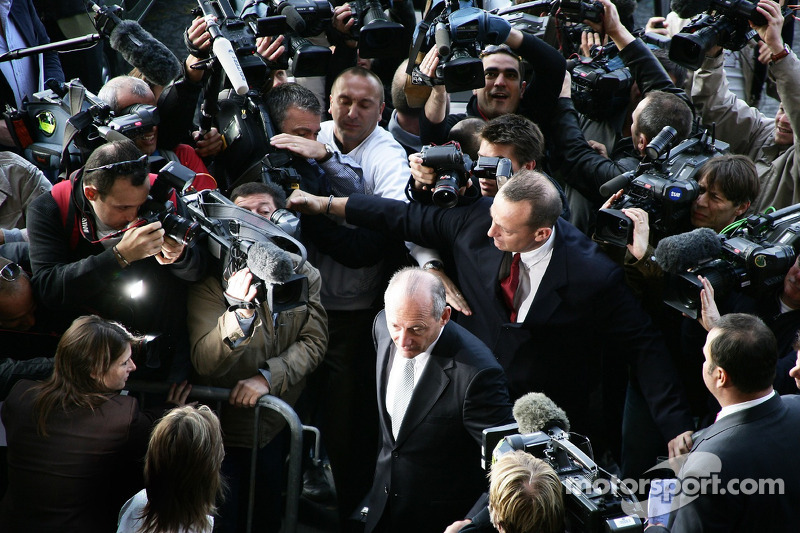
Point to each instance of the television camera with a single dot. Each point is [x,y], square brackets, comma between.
[664,185]
[755,257]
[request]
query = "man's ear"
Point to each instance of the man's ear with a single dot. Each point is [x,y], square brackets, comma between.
[744,206]
[542,234]
[641,142]
[522,87]
[90,192]
[530,165]
[383,105]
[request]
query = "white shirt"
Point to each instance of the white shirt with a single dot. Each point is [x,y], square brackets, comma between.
[396,365]
[735,408]
[532,266]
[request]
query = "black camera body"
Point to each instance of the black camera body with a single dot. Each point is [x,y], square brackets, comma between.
[726,23]
[597,83]
[304,18]
[172,179]
[452,172]
[664,187]
[754,258]
[580,10]
[493,168]
[588,508]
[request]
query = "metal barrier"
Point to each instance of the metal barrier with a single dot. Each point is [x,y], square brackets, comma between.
[219,395]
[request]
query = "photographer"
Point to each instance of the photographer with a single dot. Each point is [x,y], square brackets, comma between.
[663,104]
[505,91]
[770,143]
[88,245]
[238,342]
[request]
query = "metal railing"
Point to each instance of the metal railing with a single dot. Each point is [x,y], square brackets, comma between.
[216,394]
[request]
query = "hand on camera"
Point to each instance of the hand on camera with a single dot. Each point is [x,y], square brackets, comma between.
[657,25]
[343,20]
[240,287]
[141,242]
[611,25]
[641,231]
[424,177]
[209,145]
[270,48]
[171,251]
[589,40]
[771,32]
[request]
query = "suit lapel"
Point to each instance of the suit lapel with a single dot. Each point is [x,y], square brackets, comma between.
[431,384]
[547,297]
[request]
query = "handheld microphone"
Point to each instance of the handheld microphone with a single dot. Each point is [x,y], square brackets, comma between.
[137,46]
[442,38]
[678,253]
[269,263]
[536,412]
[226,56]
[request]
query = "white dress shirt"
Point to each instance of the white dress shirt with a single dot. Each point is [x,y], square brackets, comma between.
[532,266]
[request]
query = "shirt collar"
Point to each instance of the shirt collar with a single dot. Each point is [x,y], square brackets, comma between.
[735,408]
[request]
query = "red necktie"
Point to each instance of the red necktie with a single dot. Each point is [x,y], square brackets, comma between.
[509,287]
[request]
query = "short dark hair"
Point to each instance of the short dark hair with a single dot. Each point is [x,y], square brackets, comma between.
[746,349]
[467,133]
[535,188]
[517,131]
[259,187]
[675,71]
[664,109]
[735,175]
[363,73]
[287,95]
[114,152]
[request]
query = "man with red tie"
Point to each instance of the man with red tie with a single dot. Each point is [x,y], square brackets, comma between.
[574,317]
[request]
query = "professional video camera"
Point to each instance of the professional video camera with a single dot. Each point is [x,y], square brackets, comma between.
[173,178]
[66,123]
[725,23]
[304,18]
[595,84]
[238,238]
[377,35]
[754,258]
[664,185]
[452,171]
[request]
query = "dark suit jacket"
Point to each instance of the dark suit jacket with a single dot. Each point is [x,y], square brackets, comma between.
[24,16]
[583,318]
[431,476]
[759,443]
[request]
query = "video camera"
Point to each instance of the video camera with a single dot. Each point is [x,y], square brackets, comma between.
[238,238]
[377,35]
[594,501]
[725,23]
[452,171]
[304,18]
[755,258]
[595,84]
[66,123]
[664,185]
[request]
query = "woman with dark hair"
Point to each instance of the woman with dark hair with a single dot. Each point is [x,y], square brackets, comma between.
[74,442]
[181,476]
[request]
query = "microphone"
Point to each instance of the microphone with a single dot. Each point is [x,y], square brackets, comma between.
[615,184]
[269,263]
[536,412]
[137,46]
[686,9]
[678,253]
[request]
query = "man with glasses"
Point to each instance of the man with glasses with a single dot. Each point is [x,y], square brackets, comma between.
[505,91]
[90,252]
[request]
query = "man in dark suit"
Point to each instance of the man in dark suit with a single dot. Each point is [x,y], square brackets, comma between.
[753,443]
[439,387]
[574,316]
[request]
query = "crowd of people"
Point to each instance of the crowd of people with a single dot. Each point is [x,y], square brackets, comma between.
[431,294]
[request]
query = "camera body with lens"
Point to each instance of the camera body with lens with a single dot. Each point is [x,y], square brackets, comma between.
[493,168]
[597,83]
[172,179]
[754,258]
[452,169]
[304,18]
[377,35]
[725,23]
[664,186]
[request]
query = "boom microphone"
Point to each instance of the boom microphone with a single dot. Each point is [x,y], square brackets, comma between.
[270,263]
[536,412]
[678,253]
[686,9]
[137,46]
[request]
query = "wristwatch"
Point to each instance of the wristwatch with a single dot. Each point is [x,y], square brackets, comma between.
[328,154]
[780,55]
[433,264]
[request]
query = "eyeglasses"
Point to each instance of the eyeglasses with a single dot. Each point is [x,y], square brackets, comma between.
[11,272]
[123,167]
[499,49]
